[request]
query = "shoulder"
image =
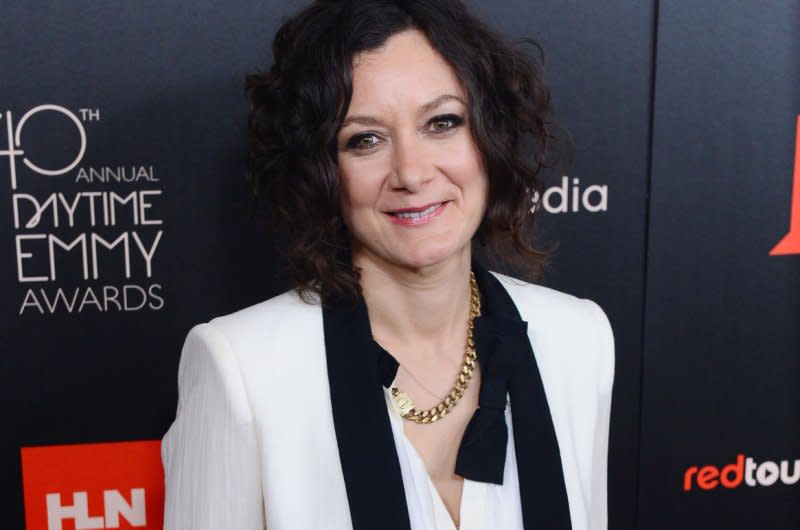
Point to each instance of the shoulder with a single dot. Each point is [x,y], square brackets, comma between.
[281,330]
[284,313]
[536,302]
[554,311]
[564,329]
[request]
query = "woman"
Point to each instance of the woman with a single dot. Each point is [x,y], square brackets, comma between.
[400,384]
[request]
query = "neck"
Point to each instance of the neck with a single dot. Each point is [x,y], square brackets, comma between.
[416,306]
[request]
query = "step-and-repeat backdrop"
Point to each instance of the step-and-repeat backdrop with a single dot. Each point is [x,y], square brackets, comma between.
[125,219]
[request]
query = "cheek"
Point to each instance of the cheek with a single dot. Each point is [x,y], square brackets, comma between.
[468,173]
[358,190]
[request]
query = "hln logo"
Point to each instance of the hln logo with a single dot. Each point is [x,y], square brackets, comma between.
[94,486]
[115,505]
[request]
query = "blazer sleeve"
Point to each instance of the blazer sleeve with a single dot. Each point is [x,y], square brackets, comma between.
[598,508]
[210,454]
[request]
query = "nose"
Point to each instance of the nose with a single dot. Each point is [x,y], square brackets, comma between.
[411,167]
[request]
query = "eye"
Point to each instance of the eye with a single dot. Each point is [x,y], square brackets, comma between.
[444,122]
[362,141]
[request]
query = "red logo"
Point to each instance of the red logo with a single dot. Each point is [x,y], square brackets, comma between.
[744,471]
[93,486]
[790,244]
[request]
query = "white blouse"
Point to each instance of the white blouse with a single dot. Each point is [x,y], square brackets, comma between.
[484,506]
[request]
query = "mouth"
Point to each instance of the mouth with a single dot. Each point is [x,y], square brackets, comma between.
[416,216]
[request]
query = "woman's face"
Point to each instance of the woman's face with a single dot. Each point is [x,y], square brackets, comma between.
[413,184]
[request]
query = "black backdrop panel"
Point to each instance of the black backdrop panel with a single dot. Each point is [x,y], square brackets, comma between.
[722,355]
[599,64]
[161,85]
[156,88]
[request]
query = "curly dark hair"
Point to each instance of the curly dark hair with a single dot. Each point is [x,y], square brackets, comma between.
[297,107]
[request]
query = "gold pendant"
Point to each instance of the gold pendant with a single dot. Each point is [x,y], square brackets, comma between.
[403,402]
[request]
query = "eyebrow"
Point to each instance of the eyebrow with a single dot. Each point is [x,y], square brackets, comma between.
[423,109]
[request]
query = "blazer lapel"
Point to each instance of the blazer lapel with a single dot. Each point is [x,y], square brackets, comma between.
[543,492]
[370,465]
[357,369]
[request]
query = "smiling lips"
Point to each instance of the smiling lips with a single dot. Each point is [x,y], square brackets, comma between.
[416,216]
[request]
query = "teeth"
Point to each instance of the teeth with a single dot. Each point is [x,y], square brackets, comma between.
[417,215]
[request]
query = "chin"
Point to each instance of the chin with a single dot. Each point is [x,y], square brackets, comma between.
[424,256]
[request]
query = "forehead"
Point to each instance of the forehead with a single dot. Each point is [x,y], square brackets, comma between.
[406,70]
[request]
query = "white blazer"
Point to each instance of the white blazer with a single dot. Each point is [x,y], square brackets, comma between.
[271,433]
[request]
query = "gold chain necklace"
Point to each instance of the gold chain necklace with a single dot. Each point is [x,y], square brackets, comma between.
[407,409]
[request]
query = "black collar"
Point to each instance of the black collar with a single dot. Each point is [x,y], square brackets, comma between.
[358,369]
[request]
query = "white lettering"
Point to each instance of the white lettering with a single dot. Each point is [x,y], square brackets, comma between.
[110,246]
[575,191]
[602,204]
[145,206]
[565,199]
[116,505]
[30,212]
[563,196]
[89,298]
[27,255]
[91,196]
[15,206]
[125,294]
[82,176]
[15,142]
[79,511]
[104,298]
[114,198]
[794,477]
[69,305]
[86,247]
[52,241]
[31,301]
[119,174]
[147,255]
[112,297]
[160,303]
[39,209]
[70,209]
[767,473]
[749,467]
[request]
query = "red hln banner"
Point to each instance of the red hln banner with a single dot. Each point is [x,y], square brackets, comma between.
[93,486]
